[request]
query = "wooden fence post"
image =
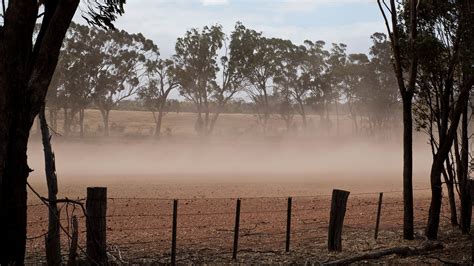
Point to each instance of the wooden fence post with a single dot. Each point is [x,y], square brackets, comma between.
[336,219]
[471,183]
[236,230]
[173,236]
[288,224]
[379,211]
[73,247]
[96,208]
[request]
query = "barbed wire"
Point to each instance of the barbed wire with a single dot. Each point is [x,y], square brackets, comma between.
[253,228]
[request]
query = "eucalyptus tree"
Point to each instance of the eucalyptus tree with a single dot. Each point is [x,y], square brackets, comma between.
[404,29]
[296,78]
[198,70]
[259,60]
[381,96]
[122,65]
[334,77]
[316,67]
[72,80]
[444,84]
[160,81]
[27,64]
[355,82]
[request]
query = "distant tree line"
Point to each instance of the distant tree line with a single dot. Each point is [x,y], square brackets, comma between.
[245,72]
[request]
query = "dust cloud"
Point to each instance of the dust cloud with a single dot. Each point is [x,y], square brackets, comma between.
[226,168]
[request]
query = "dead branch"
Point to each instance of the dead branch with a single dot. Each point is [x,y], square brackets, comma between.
[401,251]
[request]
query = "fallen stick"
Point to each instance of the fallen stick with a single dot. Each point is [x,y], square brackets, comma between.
[401,251]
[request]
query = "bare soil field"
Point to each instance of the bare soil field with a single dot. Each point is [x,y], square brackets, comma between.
[207,176]
[139,230]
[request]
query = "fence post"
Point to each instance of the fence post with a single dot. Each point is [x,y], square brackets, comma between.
[73,247]
[96,208]
[288,224]
[236,230]
[379,211]
[336,220]
[471,183]
[173,236]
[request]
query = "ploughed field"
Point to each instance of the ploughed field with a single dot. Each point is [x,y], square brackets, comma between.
[143,178]
[139,228]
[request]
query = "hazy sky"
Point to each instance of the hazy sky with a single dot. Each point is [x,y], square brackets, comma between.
[347,21]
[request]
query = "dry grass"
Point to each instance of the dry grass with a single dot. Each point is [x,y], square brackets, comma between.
[141,124]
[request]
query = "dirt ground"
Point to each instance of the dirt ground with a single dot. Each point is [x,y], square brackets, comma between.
[139,230]
[143,177]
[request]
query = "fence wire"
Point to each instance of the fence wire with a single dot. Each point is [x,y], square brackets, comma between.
[141,228]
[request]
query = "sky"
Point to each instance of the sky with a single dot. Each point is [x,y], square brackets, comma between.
[334,21]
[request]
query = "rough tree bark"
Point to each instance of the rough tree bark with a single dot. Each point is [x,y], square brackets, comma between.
[449,179]
[438,161]
[25,74]
[406,91]
[465,197]
[408,230]
[465,34]
[53,241]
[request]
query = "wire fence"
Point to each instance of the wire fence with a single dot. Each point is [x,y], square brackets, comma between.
[140,229]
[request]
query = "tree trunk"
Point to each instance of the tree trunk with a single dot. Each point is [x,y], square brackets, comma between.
[38,127]
[407,168]
[337,117]
[158,122]
[448,174]
[14,133]
[26,70]
[53,118]
[66,126]
[214,120]
[81,122]
[465,197]
[266,110]
[303,115]
[436,198]
[354,119]
[105,118]
[53,241]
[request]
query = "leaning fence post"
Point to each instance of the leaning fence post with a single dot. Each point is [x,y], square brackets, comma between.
[173,236]
[236,230]
[96,208]
[379,211]
[336,220]
[288,224]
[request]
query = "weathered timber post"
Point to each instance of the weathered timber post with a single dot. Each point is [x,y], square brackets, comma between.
[471,184]
[96,208]
[336,219]
[73,247]
[236,230]
[53,240]
[174,233]
[379,211]
[288,224]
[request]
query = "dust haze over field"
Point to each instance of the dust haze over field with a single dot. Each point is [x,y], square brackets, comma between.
[217,168]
